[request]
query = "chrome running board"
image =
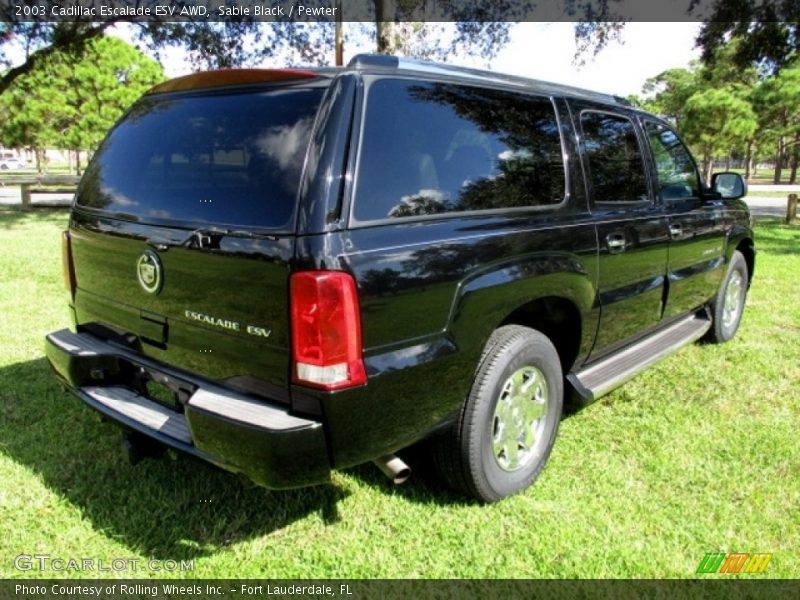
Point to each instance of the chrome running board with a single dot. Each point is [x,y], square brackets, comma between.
[599,378]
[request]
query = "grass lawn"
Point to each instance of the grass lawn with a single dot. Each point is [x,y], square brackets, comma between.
[763,176]
[760,194]
[697,455]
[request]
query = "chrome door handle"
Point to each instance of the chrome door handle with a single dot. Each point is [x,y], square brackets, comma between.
[615,242]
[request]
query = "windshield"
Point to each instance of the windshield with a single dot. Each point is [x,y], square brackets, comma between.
[232,159]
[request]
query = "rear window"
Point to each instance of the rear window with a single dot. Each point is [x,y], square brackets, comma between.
[231,159]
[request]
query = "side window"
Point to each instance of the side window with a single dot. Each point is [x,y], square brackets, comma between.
[616,167]
[431,148]
[677,173]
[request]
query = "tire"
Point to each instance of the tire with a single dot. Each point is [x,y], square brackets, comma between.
[508,424]
[728,304]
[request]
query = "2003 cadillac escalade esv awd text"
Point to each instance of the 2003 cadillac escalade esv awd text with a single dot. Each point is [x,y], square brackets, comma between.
[285,272]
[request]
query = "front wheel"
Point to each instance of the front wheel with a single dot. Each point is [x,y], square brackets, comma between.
[728,305]
[509,421]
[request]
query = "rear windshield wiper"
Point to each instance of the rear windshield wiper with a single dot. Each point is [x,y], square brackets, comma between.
[206,237]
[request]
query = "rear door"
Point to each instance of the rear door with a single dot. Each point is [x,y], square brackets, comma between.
[697,238]
[631,227]
[183,230]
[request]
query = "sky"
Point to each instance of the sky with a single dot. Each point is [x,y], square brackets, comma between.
[545,51]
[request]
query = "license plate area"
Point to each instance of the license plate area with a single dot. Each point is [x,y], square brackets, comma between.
[165,390]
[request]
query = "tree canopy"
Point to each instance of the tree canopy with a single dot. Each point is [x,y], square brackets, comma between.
[723,109]
[69,100]
[767,31]
[243,41]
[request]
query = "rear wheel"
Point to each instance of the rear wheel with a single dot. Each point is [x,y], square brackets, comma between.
[728,304]
[509,420]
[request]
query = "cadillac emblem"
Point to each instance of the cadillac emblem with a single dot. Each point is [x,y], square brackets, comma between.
[149,272]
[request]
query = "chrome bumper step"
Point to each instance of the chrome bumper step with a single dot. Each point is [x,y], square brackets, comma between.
[138,408]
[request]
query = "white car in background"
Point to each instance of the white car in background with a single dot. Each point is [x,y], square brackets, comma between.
[10,162]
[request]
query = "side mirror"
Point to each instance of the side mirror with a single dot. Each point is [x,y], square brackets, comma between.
[729,185]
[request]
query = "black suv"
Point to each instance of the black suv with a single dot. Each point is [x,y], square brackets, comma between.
[285,272]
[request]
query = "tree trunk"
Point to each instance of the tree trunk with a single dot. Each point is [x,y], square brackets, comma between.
[383,28]
[708,167]
[748,161]
[77,162]
[778,162]
[39,160]
[338,41]
[795,152]
[728,162]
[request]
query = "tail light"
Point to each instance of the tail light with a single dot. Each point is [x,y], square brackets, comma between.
[67,264]
[326,330]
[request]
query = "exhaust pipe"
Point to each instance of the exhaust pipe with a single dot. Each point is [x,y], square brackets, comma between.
[394,468]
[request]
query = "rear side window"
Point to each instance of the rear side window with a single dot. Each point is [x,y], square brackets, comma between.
[430,148]
[616,167]
[232,159]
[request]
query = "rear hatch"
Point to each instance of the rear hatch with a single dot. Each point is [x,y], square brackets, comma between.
[183,230]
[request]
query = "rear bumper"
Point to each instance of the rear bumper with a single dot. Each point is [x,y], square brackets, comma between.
[240,434]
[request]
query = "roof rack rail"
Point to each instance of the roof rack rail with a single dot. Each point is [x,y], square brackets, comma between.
[385,61]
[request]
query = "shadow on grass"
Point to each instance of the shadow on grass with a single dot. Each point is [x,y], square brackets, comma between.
[11,218]
[171,508]
[774,236]
[423,487]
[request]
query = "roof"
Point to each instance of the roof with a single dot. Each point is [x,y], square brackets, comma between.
[383,63]
[379,64]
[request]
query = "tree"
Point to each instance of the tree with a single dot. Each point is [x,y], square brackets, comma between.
[716,120]
[768,31]
[666,94]
[110,76]
[244,41]
[682,96]
[69,101]
[30,121]
[778,102]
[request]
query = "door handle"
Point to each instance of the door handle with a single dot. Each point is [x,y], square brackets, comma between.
[615,242]
[675,231]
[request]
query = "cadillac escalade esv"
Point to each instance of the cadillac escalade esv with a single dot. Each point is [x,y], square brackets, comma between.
[285,272]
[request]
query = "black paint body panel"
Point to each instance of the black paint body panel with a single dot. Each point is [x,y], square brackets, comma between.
[432,288]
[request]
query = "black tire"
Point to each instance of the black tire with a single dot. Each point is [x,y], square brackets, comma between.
[484,455]
[728,304]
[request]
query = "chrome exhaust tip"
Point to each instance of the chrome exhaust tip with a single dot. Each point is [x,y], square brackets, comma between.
[394,468]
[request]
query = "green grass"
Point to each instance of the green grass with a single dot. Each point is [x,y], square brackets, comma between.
[764,176]
[760,194]
[698,454]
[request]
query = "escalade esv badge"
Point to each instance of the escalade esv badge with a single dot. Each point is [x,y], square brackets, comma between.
[149,272]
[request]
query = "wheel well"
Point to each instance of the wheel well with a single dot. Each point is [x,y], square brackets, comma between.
[746,248]
[558,319]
